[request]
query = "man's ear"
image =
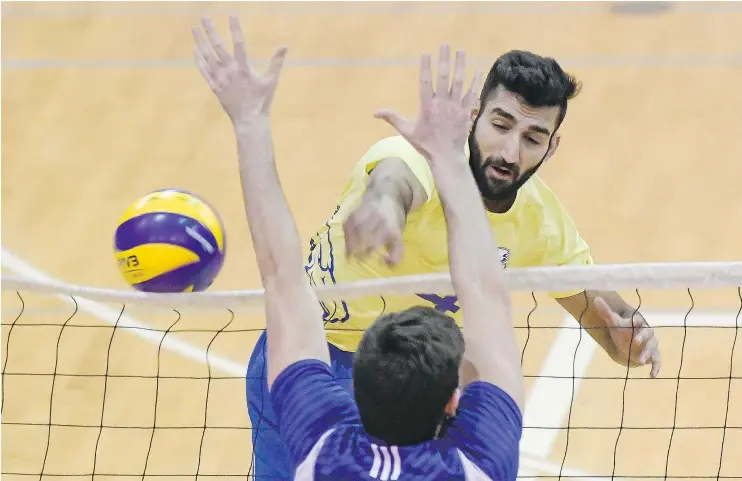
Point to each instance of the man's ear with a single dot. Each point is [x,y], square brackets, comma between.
[473,118]
[474,113]
[453,404]
[553,145]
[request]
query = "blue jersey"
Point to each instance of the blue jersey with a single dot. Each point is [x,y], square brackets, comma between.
[320,423]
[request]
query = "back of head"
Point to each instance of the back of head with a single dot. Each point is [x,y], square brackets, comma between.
[405,371]
[540,81]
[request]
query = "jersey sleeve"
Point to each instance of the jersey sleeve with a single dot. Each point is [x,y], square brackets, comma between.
[487,430]
[397,147]
[308,402]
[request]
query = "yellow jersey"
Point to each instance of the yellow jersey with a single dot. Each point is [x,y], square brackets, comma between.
[536,231]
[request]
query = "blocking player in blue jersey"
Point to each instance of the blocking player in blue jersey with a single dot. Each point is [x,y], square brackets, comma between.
[430,403]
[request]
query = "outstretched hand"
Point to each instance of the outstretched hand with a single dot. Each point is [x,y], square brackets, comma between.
[444,119]
[242,91]
[632,336]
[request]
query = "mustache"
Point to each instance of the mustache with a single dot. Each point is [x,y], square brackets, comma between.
[500,163]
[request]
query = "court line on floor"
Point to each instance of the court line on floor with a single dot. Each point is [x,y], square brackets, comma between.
[550,399]
[302,8]
[138,328]
[533,459]
[596,61]
[14,11]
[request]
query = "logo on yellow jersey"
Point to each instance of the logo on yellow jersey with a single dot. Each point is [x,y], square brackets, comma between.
[320,269]
[504,256]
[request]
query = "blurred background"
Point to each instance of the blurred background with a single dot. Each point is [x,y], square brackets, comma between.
[101,103]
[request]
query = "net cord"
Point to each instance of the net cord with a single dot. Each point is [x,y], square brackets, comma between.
[686,275]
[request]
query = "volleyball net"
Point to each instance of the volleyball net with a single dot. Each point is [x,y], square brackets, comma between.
[108,383]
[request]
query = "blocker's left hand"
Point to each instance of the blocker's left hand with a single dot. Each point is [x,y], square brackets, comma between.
[632,336]
[243,92]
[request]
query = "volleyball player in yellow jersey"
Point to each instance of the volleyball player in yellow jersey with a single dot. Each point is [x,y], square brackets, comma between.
[534,231]
[389,222]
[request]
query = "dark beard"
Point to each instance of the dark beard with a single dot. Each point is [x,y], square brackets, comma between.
[496,190]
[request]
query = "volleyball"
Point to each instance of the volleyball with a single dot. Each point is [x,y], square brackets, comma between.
[170,241]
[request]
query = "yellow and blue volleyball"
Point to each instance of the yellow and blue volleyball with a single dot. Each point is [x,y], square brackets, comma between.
[170,241]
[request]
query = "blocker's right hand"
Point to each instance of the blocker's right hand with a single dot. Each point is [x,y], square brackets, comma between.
[243,92]
[442,127]
[377,222]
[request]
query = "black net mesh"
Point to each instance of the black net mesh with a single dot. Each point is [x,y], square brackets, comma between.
[93,390]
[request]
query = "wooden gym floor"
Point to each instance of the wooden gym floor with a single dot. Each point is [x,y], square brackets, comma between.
[101,104]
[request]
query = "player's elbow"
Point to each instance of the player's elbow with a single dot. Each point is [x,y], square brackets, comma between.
[286,283]
[393,177]
[281,271]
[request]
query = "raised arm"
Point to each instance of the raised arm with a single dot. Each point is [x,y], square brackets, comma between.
[440,134]
[392,192]
[293,316]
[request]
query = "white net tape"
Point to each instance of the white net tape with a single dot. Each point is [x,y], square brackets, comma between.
[693,275]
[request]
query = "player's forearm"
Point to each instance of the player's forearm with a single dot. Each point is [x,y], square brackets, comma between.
[273,230]
[293,316]
[614,301]
[474,267]
[582,307]
[392,178]
[603,336]
[491,347]
[472,251]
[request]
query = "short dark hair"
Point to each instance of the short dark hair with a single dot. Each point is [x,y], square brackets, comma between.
[540,81]
[405,371]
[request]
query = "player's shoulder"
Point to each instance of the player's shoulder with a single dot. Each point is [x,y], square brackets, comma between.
[537,195]
[397,147]
[487,430]
[481,399]
[394,146]
[537,190]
